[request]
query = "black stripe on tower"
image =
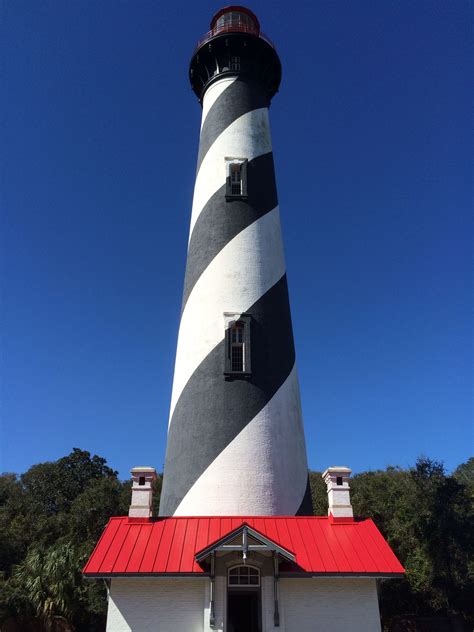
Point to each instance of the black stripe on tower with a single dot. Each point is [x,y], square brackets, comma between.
[239,98]
[201,426]
[306,507]
[220,221]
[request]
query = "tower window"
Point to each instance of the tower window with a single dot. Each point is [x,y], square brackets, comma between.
[237,347]
[235,63]
[141,480]
[236,178]
[237,343]
[338,480]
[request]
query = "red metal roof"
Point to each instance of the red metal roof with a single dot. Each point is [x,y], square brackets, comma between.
[169,545]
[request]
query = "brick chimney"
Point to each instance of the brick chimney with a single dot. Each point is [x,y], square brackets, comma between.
[339,500]
[142,491]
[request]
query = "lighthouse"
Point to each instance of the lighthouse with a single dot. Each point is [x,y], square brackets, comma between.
[235,548]
[236,442]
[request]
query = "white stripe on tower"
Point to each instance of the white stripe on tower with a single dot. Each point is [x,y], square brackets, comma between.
[235,445]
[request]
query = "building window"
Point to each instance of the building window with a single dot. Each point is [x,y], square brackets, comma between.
[237,347]
[243,576]
[235,63]
[141,480]
[338,480]
[236,178]
[237,339]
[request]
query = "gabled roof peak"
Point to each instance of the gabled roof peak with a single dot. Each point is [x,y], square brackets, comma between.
[249,539]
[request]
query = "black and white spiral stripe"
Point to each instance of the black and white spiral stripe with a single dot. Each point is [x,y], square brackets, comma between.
[235,447]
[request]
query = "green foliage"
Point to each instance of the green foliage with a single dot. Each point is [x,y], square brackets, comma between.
[51,518]
[464,474]
[51,579]
[157,485]
[319,494]
[91,509]
[54,486]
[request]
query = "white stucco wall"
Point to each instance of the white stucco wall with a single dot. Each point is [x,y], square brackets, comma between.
[182,605]
[156,605]
[329,605]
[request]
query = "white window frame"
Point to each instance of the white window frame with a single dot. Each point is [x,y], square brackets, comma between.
[242,162]
[245,586]
[230,320]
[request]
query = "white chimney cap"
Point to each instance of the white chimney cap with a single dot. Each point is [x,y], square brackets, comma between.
[337,469]
[143,468]
[142,491]
[339,499]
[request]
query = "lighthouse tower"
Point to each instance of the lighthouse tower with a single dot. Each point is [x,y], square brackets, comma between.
[235,440]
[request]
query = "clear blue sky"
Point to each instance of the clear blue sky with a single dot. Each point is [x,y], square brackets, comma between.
[371,135]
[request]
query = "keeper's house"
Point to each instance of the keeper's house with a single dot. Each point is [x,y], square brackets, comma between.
[242,573]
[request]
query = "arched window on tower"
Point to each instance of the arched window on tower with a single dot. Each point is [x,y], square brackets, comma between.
[237,338]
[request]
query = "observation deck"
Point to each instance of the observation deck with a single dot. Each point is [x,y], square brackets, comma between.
[235,45]
[234,20]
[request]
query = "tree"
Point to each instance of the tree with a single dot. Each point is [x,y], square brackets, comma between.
[50,520]
[51,582]
[319,494]
[53,486]
[14,536]
[464,474]
[91,510]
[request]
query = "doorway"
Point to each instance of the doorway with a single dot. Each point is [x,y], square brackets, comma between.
[243,610]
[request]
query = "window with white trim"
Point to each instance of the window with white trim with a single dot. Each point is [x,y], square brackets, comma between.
[236,178]
[243,576]
[237,344]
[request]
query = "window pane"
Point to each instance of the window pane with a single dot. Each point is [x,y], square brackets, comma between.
[237,359]
[235,177]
